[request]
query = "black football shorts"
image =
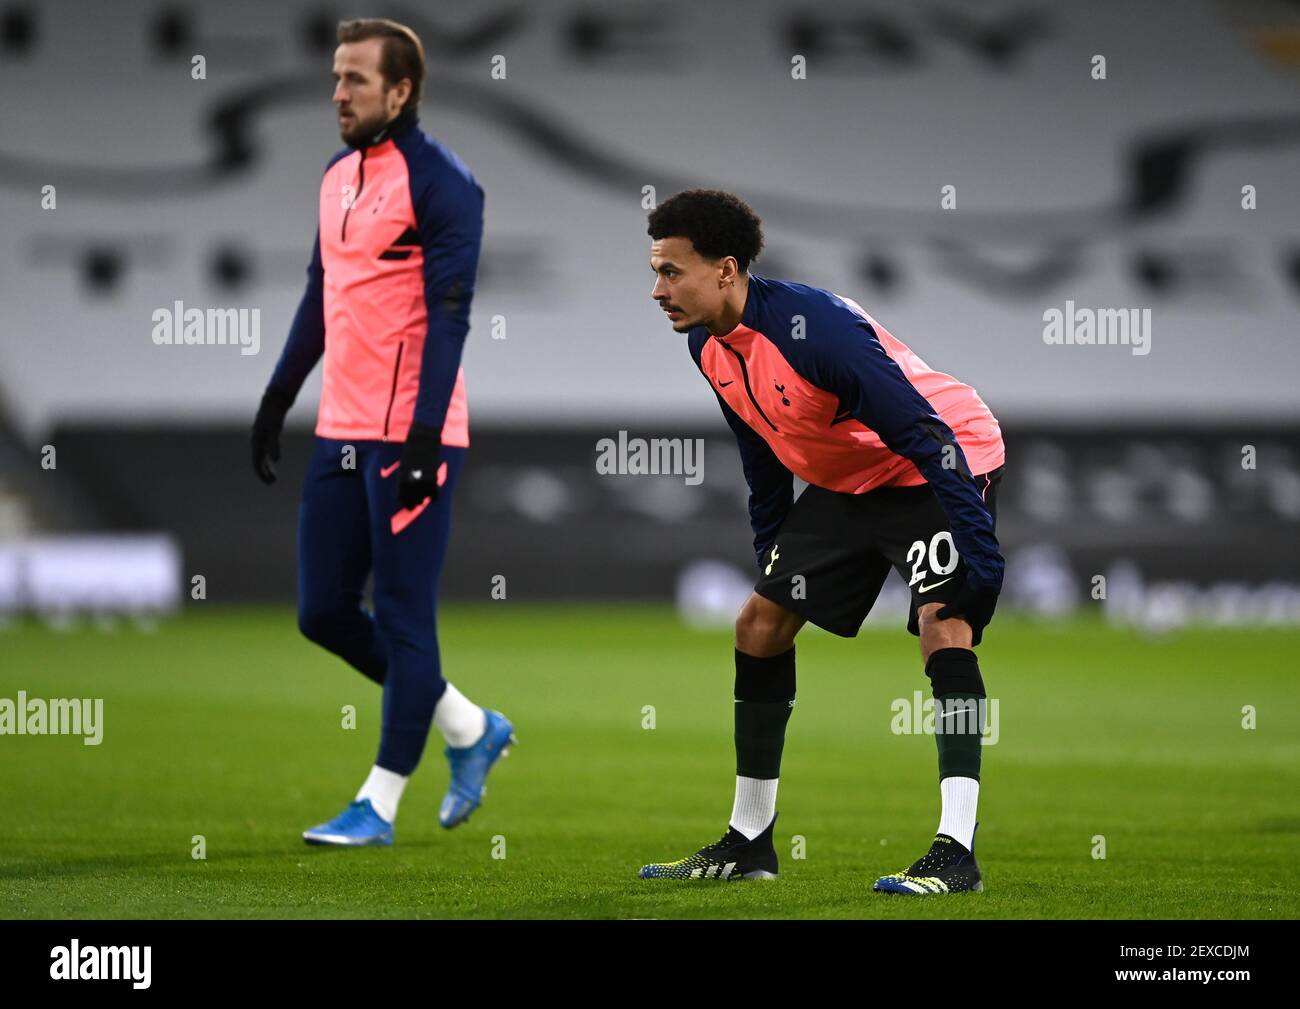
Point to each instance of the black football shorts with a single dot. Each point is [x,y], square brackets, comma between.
[834,552]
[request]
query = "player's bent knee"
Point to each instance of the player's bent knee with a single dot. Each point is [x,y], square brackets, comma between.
[324,625]
[763,628]
[936,633]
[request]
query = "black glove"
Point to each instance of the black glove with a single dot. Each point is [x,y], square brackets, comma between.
[418,476]
[975,606]
[266,433]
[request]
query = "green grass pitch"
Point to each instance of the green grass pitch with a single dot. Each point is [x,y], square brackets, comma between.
[226,724]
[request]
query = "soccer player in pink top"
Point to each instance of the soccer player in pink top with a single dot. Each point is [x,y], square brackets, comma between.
[902,464]
[387,306]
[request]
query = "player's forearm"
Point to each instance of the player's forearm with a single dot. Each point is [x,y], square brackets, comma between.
[970,523]
[448,304]
[438,368]
[306,342]
[771,485]
[882,397]
[933,448]
[765,518]
[771,493]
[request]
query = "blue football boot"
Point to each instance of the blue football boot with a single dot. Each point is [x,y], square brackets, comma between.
[357,825]
[470,766]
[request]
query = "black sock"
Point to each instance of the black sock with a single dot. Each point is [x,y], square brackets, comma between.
[958,710]
[764,698]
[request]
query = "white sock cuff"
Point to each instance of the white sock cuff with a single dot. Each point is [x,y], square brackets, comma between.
[384,790]
[755,805]
[461,721]
[960,802]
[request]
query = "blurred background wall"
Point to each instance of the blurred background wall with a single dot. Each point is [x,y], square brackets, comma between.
[1169,184]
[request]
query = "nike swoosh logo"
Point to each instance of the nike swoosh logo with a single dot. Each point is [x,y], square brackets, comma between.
[927,588]
[386,471]
[723,385]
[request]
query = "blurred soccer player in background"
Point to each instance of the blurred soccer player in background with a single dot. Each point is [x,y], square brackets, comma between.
[902,465]
[387,304]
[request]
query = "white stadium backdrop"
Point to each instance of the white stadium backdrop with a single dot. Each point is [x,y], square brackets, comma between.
[1108,194]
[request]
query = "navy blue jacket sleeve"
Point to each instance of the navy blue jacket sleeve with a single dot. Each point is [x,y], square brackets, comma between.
[306,341]
[449,217]
[873,388]
[771,485]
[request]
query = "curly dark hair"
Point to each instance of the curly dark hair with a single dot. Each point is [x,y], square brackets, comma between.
[717,223]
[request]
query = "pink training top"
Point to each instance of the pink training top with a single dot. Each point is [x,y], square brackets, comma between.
[809,430]
[813,386]
[375,314]
[389,289]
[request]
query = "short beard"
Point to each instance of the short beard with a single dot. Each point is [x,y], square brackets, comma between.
[361,131]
